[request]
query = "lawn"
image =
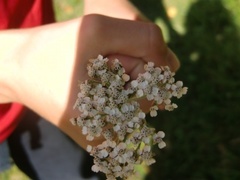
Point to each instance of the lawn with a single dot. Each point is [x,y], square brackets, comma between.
[202,135]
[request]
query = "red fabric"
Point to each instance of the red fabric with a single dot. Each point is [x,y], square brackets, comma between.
[20,14]
[25,13]
[9,117]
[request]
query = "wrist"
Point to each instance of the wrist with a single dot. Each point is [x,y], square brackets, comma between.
[122,9]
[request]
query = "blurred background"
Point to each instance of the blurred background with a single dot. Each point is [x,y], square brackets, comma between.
[203,134]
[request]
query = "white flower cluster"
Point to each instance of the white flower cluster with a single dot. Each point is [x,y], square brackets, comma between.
[110,110]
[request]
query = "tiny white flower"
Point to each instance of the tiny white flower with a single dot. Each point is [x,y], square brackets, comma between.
[126,77]
[168,86]
[103,153]
[108,134]
[161,145]
[184,90]
[179,83]
[101,100]
[153,113]
[101,72]
[134,83]
[116,127]
[141,115]
[167,101]
[147,149]
[122,145]
[89,148]
[130,130]
[157,138]
[160,77]
[95,168]
[112,112]
[140,93]
[107,110]
[136,126]
[150,97]
[130,124]
[173,87]
[73,121]
[143,85]
[161,134]
[117,169]
[124,108]
[150,161]
[155,91]
[146,140]
[135,119]
[112,144]
[171,107]
[147,75]
[84,130]
[89,137]
[131,107]
[100,57]
[149,66]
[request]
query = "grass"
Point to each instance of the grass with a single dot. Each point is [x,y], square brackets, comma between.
[203,137]
[67,9]
[13,174]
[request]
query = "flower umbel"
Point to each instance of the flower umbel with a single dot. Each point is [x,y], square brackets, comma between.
[110,110]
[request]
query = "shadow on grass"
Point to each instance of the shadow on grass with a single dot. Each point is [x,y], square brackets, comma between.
[203,137]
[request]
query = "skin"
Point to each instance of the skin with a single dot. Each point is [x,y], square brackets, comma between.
[41,67]
[119,9]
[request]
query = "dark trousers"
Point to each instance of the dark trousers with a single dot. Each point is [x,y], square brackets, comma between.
[43,152]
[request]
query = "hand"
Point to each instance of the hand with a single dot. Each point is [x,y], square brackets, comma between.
[123,9]
[45,70]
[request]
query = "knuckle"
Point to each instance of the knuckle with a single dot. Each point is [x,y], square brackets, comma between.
[165,57]
[156,40]
[92,25]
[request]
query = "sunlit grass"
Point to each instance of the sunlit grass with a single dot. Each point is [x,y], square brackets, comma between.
[13,174]
[67,9]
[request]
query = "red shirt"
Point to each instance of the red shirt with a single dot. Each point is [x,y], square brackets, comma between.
[20,14]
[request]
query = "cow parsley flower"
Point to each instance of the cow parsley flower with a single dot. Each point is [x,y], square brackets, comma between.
[111,110]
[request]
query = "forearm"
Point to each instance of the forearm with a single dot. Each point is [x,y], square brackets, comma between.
[12,43]
[48,75]
[36,69]
[46,68]
[24,57]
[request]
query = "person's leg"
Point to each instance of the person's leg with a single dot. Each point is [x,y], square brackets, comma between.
[5,162]
[46,153]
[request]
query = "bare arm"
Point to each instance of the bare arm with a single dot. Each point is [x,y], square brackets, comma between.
[123,9]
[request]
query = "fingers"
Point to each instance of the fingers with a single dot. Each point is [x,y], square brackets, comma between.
[133,66]
[137,39]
